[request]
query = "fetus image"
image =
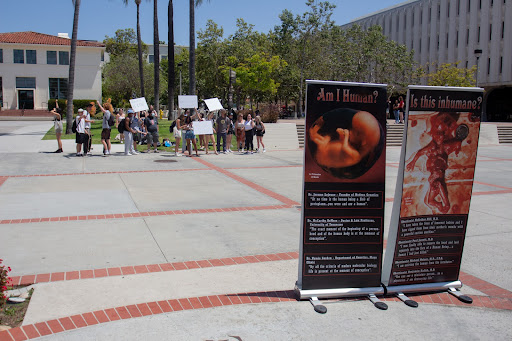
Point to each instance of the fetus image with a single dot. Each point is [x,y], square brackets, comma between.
[447,136]
[346,142]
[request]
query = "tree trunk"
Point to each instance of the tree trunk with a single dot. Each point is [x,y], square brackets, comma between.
[192,49]
[171,75]
[139,46]
[156,43]
[71,76]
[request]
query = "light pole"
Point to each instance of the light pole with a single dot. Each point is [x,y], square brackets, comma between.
[180,65]
[478,53]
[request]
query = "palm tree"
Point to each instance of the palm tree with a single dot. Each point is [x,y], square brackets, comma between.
[71,77]
[139,46]
[156,43]
[192,47]
[170,59]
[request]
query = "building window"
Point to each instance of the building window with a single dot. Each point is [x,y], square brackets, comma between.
[102,56]
[447,40]
[478,38]
[19,57]
[25,82]
[501,64]
[488,66]
[469,6]
[490,32]
[457,39]
[480,4]
[458,7]
[421,16]
[492,3]
[151,58]
[58,88]
[467,37]
[31,56]
[502,29]
[63,58]
[1,55]
[448,9]
[164,57]
[51,57]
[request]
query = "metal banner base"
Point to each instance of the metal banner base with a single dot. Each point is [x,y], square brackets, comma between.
[314,295]
[450,287]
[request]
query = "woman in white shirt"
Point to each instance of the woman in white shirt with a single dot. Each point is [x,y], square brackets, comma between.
[248,127]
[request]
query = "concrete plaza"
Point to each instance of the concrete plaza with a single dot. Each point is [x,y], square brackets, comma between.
[175,248]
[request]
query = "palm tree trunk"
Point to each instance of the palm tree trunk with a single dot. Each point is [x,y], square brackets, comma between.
[156,43]
[170,59]
[71,76]
[192,49]
[139,46]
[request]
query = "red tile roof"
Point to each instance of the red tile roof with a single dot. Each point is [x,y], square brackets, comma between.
[43,39]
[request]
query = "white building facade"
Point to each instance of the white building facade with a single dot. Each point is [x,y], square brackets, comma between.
[34,69]
[449,31]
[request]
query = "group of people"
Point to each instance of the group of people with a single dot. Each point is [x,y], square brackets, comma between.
[398,109]
[135,127]
[224,127]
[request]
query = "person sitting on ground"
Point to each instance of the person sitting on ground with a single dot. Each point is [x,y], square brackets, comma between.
[57,122]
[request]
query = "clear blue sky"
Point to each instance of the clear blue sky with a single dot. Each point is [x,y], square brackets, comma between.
[103,17]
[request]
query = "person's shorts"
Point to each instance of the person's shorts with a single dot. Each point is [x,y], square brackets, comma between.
[105,134]
[152,137]
[58,127]
[80,138]
[189,135]
[177,133]
[259,132]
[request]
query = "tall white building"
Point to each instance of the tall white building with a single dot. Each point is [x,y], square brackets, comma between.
[448,31]
[34,68]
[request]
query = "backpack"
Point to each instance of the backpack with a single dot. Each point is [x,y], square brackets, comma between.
[121,126]
[111,120]
[171,128]
[73,127]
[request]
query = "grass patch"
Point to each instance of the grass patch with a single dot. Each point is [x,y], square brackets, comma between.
[96,135]
[12,315]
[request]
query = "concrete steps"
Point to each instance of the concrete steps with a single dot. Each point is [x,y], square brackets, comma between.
[395,133]
[505,133]
[300,133]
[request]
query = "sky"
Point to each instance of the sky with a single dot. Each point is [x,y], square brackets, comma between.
[100,18]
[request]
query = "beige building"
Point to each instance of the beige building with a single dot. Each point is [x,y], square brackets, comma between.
[34,68]
[448,31]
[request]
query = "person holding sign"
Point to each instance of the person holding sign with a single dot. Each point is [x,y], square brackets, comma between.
[210,137]
[189,135]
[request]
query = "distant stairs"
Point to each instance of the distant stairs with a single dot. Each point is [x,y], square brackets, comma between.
[505,133]
[300,134]
[395,133]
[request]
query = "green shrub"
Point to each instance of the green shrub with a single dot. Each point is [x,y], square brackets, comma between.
[77,104]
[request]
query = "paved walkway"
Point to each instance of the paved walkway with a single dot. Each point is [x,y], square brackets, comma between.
[164,248]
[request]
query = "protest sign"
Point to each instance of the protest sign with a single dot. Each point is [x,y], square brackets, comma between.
[139,104]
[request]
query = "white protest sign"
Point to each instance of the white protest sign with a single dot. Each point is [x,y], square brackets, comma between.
[139,104]
[213,104]
[187,101]
[202,127]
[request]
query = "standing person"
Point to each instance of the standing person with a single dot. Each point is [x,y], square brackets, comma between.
[249,126]
[80,138]
[105,126]
[189,136]
[177,134]
[260,130]
[135,124]
[240,132]
[202,136]
[231,132]
[87,145]
[210,137]
[128,134]
[119,117]
[401,109]
[57,122]
[223,123]
[151,123]
[395,111]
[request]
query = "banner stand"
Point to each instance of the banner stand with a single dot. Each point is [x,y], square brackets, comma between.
[450,287]
[314,295]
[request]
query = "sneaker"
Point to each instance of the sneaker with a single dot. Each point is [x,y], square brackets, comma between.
[134,152]
[156,151]
[128,154]
[224,152]
[79,154]
[89,154]
[264,150]
[178,154]
[105,154]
